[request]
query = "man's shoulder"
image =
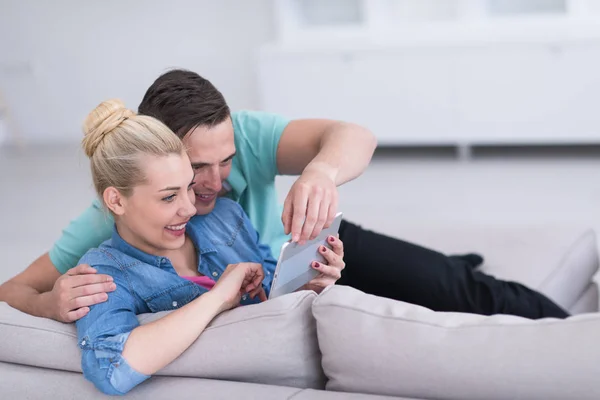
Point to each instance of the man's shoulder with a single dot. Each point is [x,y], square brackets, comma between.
[257,135]
[250,123]
[242,116]
[246,125]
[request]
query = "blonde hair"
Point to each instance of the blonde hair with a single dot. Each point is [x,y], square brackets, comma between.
[115,139]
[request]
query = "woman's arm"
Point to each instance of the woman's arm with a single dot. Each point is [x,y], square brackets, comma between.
[136,352]
[54,286]
[153,346]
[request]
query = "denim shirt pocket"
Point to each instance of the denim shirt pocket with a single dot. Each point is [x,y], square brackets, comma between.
[174,297]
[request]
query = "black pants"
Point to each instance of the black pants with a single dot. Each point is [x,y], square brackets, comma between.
[392,268]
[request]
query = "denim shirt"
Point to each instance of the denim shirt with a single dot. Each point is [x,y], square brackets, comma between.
[149,284]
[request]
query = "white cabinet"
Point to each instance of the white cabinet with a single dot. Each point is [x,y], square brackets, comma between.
[404,96]
[536,93]
[484,93]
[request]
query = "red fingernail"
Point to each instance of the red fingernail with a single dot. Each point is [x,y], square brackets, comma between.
[316,265]
[323,249]
[331,239]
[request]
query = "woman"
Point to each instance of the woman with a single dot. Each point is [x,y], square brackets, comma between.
[162,257]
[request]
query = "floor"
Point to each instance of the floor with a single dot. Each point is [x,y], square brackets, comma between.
[403,189]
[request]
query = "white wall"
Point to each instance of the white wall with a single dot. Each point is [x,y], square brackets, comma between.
[419,73]
[60,58]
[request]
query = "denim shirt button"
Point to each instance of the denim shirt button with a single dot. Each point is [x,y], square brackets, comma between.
[174,304]
[245,297]
[215,273]
[83,342]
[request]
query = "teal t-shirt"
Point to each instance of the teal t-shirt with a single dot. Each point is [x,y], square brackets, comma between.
[252,182]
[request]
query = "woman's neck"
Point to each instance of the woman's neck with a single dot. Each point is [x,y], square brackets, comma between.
[184,259]
[139,243]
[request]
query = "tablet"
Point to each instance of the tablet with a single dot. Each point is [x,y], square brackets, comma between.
[294,267]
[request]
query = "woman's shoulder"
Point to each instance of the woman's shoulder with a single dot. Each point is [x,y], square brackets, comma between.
[223,205]
[225,209]
[221,225]
[104,256]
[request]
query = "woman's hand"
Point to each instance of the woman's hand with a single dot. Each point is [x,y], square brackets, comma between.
[152,346]
[332,271]
[237,280]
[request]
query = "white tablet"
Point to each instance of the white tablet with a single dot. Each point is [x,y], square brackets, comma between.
[294,267]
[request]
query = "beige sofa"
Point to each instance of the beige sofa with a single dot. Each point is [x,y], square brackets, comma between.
[345,344]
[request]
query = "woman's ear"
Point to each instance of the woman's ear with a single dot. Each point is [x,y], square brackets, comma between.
[114,200]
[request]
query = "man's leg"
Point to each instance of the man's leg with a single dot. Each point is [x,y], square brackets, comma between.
[392,268]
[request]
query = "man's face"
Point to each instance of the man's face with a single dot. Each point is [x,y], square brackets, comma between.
[211,151]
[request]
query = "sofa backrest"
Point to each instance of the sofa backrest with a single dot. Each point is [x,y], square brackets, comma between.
[375,345]
[270,343]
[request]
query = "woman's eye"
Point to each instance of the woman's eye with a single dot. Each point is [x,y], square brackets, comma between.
[169,199]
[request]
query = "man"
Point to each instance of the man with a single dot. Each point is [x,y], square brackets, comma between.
[239,155]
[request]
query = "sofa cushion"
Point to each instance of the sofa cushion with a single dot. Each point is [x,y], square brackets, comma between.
[33,383]
[557,260]
[375,345]
[272,343]
[588,301]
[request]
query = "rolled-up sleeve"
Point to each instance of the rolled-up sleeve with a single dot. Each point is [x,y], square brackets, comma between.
[102,335]
[104,365]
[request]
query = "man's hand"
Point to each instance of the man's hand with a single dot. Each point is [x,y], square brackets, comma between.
[76,290]
[311,204]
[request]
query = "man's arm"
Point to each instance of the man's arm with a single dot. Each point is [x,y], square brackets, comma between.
[327,154]
[24,291]
[42,291]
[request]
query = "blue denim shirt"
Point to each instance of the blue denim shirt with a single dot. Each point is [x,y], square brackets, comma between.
[147,283]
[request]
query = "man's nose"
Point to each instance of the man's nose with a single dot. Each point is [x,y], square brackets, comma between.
[212,179]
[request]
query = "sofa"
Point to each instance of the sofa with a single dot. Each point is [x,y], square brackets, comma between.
[345,344]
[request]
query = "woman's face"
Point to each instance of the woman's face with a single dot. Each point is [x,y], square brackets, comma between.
[154,217]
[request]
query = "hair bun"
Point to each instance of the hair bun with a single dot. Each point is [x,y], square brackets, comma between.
[102,121]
